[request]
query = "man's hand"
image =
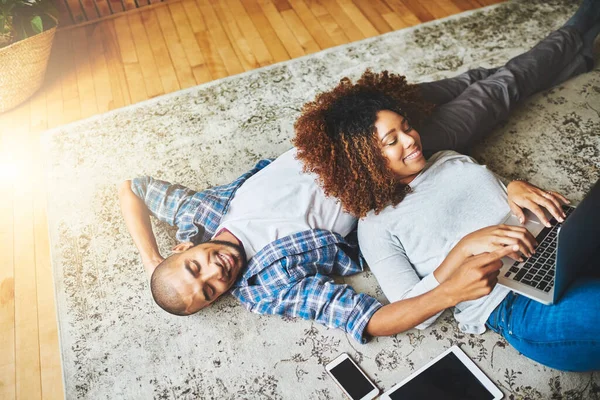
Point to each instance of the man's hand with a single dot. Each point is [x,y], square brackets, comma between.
[495,237]
[181,247]
[151,263]
[523,194]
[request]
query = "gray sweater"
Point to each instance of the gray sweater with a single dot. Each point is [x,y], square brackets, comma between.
[452,197]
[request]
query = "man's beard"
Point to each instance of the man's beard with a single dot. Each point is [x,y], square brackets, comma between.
[239,251]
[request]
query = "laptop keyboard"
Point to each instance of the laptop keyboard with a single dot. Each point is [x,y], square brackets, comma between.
[538,270]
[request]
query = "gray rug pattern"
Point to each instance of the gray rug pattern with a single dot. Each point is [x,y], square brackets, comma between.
[116,344]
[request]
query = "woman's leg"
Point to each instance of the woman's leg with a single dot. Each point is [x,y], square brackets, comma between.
[564,336]
[445,90]
[484,104]
[586,21]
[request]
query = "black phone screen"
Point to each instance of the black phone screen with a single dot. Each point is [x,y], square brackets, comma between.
[351,379]
[447,379]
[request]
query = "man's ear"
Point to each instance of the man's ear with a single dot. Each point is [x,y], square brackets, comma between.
[181,247]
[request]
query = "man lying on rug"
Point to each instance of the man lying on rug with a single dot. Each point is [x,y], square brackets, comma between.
[273,238]
[420,220]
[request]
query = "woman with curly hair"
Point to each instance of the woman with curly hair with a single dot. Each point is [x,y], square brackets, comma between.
[426,217]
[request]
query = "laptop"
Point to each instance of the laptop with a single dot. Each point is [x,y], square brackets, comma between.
[564,249]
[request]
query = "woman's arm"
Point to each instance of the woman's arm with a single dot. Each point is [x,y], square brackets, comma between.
[137,219]
[474,278]
[420,294]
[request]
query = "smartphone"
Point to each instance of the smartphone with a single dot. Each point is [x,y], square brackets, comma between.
[351,379]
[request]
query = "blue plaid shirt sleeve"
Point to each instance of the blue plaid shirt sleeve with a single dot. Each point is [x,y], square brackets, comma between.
[318,298]
[333,305]
[170,203]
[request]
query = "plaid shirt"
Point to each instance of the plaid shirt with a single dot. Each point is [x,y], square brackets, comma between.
[290,276]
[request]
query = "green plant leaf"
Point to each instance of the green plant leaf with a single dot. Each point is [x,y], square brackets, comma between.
[24,18]
[21,32]
[36,24]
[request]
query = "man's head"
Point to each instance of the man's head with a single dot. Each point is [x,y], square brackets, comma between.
[188,281]
[337,136]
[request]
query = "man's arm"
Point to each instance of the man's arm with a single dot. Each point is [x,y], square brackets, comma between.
[319,298]
[137,219]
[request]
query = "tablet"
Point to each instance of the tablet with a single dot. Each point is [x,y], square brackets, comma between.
[450,376]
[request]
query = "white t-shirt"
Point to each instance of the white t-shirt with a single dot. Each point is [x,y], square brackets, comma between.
[281,200]
[452,197]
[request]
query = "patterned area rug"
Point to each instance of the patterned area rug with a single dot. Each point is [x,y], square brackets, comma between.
[116,344]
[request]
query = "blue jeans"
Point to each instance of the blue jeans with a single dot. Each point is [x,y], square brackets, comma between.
[564,336]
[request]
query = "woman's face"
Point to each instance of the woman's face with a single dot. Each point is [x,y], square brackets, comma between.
[400,145]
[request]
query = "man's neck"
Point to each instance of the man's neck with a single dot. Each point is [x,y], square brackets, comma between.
[227,236]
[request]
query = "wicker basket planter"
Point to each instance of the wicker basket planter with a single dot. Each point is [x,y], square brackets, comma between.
[22,68]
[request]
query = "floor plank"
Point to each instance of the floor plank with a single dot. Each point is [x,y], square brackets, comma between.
[53,88]
[207,45]
[164,64]
[375,15]
[417,8]
[312,24]
[27,354]
[145,56]
[394,21]
[49,350]
[89,9]
[266,31]
[358,18]
[403,12]
[465,5]
[102,5]
[85,79]
[7,267]
[256,43]
[125,59]
[70,92]
[283,32]
[226,51]
[129,56]
[328,23]
[189,44]
[435,9]
[308,43]
[341,18]
[76,11]
[240,45]
[116,72]
[101,77]
[182,66]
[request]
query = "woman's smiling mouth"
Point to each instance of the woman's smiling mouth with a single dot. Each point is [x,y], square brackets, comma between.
[415,154]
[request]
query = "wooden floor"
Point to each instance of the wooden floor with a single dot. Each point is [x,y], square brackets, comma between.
[115,62]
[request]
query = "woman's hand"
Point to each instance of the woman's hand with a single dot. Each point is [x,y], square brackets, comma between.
[476,277]
[523,194]
[495,237]
[471,279]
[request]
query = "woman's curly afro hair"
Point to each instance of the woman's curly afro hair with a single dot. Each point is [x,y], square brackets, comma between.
[336,139]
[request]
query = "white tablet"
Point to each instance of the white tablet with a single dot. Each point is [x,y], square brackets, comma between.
[450,376]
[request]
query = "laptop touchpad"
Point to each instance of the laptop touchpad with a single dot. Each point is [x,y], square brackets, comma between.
[532,222]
